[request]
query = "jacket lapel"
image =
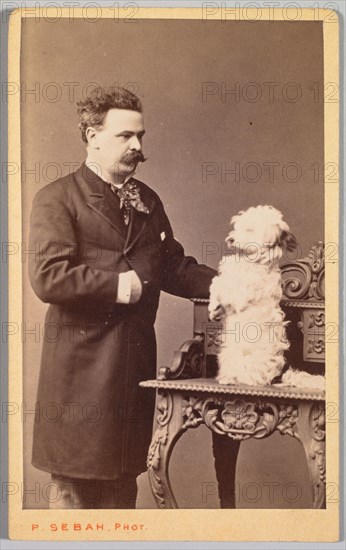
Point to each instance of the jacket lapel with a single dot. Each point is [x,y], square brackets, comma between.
[101,199]
[138,220]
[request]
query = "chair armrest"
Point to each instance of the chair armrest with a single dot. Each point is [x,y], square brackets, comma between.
[187,361]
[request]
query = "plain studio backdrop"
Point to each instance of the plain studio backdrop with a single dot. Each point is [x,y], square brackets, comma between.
[234,118]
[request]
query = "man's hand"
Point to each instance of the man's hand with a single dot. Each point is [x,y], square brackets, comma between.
[136,288]
[216,313]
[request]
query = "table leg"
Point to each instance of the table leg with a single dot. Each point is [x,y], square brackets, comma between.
[169,430]
[225,451]
[311,432]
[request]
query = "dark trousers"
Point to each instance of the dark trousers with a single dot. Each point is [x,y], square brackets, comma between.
[225,451]
[73,493]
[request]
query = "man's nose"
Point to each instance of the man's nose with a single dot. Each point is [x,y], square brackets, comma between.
[135,143]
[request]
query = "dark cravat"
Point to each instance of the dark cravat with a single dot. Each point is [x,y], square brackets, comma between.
[129,195]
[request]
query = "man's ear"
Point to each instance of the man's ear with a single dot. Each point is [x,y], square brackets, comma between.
[92,137]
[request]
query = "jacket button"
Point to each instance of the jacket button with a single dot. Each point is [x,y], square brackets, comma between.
[106,322]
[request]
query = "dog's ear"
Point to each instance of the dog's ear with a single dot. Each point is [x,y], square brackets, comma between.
[287,240]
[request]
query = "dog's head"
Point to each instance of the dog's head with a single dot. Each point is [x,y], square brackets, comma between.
[260,233]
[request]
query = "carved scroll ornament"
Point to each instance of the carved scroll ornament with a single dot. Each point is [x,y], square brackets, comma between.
[187,361]
[304,279]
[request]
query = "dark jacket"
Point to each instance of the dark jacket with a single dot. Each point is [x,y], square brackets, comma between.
[92,418]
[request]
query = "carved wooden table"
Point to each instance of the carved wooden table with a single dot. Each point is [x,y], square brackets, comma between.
[188,395]
[237,412]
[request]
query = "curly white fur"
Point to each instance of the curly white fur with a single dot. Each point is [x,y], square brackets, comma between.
[248,287]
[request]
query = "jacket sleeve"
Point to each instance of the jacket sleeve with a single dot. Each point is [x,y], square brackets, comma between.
[55,275]
[182,275]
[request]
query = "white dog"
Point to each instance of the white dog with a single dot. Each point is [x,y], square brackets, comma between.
[247,293]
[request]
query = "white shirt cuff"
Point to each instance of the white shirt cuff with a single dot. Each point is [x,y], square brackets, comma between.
[124,287]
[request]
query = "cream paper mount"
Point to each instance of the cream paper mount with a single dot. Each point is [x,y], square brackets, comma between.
[241,108]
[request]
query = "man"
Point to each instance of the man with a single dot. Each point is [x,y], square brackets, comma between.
[105,250]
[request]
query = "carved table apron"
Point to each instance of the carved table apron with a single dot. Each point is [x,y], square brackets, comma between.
[238,412]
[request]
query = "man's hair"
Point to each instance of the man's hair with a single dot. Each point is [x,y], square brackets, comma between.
[93,109]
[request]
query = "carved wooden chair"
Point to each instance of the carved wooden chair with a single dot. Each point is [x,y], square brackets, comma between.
[188,395]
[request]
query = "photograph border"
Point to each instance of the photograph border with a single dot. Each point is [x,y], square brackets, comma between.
[218,525]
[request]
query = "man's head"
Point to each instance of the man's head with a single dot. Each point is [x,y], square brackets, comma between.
[111,124]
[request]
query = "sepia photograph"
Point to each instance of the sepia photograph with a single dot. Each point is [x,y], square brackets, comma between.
[174,238]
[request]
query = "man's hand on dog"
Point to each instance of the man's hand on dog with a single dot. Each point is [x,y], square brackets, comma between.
[216,313]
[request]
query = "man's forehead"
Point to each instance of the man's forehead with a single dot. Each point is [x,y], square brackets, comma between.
[124,119]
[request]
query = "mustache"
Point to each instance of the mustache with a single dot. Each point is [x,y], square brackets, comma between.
[136,156]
